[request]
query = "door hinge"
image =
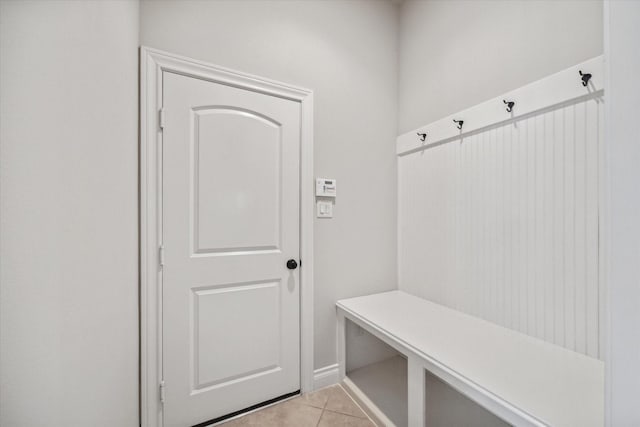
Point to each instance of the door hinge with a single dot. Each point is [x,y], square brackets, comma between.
[161,391]
[161,118]
[161,255]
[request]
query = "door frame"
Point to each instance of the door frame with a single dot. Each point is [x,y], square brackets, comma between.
[153,63]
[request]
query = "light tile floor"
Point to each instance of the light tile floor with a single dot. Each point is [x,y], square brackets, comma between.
[330,406]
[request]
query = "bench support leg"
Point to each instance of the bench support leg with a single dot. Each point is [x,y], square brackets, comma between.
[416,392]
[342,345]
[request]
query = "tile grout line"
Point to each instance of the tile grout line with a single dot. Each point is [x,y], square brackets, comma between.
[366,414]
[322,413]
[348,396]
[324,408]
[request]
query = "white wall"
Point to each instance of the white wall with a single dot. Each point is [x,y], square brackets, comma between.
[623,229]
[455,54]
[68,246]
[346,52]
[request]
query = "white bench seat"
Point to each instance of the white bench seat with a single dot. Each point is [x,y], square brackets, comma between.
[521,379]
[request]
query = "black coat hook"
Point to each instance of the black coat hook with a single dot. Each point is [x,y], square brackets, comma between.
[585,78]
[422,136]
[509,105]
[459,122]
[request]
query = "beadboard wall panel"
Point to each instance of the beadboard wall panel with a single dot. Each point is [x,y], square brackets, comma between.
[502,223]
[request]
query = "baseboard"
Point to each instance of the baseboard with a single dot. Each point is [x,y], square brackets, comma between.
[326,376]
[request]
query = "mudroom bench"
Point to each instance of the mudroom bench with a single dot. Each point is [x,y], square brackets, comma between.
[522,380]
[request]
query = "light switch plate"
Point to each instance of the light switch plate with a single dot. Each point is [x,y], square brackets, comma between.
[324,209]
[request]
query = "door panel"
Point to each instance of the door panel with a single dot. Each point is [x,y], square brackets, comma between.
[233,212]
[230,206]
[259,329]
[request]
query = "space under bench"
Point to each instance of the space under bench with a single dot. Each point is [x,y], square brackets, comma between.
[522,380]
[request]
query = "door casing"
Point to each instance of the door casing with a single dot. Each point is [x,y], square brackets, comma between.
[152,64]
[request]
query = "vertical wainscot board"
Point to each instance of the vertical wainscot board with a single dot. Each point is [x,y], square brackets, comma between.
[501,221]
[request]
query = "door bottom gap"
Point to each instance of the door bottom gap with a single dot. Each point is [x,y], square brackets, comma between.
[249,409]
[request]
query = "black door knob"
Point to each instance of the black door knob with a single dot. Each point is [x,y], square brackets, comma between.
[292,264]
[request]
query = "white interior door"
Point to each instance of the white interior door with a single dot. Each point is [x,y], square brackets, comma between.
[230,207]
